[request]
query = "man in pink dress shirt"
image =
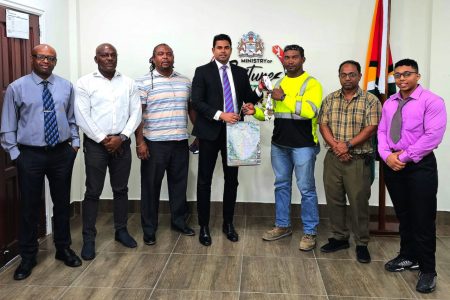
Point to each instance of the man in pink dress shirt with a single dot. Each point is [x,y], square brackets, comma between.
[412,125]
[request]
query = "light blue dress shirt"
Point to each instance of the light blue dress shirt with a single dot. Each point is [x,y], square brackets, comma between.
[23,113]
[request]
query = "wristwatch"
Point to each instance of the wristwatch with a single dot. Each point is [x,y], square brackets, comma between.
[123,137]
[349,145]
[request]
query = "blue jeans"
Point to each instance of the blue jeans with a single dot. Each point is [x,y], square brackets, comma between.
[302,161]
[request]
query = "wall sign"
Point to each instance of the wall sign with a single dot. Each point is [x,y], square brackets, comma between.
[17,25]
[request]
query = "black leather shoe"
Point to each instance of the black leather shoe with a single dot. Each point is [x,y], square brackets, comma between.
[69,257]
[334,245]
[229,231]
[204,236]
[149,239]
[24,269]
[88,251]
[186,230]
[362,254]
[123,237]
[426,283]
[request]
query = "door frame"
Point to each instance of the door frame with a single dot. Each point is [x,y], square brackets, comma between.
[40,12]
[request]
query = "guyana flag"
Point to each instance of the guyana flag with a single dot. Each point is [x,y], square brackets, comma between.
[379,60]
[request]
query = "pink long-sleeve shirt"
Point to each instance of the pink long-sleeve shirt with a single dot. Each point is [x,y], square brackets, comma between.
[424,120]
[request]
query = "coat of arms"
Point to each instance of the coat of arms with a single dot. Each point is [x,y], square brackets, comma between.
[250,45]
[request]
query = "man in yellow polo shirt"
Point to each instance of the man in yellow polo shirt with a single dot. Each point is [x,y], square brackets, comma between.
[295,145]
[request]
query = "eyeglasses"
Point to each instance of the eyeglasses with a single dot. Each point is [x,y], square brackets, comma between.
[405,74]
[44,57]
[351,75]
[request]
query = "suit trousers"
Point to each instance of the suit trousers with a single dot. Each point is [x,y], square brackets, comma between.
[351,179]
[97,159]
[413,192]
[209,151]
[33,164]
[171,157]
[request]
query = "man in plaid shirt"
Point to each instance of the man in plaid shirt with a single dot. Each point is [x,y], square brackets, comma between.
[347,121]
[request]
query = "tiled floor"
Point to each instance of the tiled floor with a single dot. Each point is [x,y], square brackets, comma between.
[178,267]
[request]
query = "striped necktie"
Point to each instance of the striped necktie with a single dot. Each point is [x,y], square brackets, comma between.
[227,91]
[50,124]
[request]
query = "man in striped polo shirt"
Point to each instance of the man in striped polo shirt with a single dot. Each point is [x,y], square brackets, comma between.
[162,142]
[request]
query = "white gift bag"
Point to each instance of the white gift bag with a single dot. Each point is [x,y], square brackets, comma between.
[243,144]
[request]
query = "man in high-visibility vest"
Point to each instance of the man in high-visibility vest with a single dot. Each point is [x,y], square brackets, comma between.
[295,145]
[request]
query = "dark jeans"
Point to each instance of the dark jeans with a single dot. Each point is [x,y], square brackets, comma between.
[171,157]
[413,192]
[33,164]
[209,151]
[97,160]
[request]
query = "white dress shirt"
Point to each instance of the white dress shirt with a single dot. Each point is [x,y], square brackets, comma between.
[107,107]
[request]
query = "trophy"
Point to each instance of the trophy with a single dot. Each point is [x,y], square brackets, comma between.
[268,112]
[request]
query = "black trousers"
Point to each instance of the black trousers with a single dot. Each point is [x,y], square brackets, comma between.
[97,160]
[33,164]
[413,192]
[209,151]
[171,157]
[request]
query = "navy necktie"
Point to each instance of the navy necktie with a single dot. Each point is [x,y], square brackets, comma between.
[50,124]
[229,107]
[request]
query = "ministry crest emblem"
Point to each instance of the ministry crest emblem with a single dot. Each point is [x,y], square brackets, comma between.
[251,45]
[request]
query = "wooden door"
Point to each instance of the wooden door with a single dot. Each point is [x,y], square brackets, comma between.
[15,62]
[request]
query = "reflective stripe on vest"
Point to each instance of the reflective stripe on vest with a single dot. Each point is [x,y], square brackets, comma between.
[298,104]
[289,116]
[298,108]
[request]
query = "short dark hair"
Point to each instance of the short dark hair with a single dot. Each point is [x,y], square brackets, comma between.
[295,48]
[221,37]
[407,62]
[351,62]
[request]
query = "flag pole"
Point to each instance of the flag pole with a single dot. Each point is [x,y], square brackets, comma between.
[384,227]
[381,183]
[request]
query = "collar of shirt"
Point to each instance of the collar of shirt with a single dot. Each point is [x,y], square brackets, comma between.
[157,74]
[358,93]
[414,95]
[98,74]
[38,80]
[219,65]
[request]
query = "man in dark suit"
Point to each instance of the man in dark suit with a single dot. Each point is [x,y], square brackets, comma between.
[218,92]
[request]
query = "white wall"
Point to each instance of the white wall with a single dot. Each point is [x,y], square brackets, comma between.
[330,32]
[439,73]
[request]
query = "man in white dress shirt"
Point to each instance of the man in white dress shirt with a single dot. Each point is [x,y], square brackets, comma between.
[108,110]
